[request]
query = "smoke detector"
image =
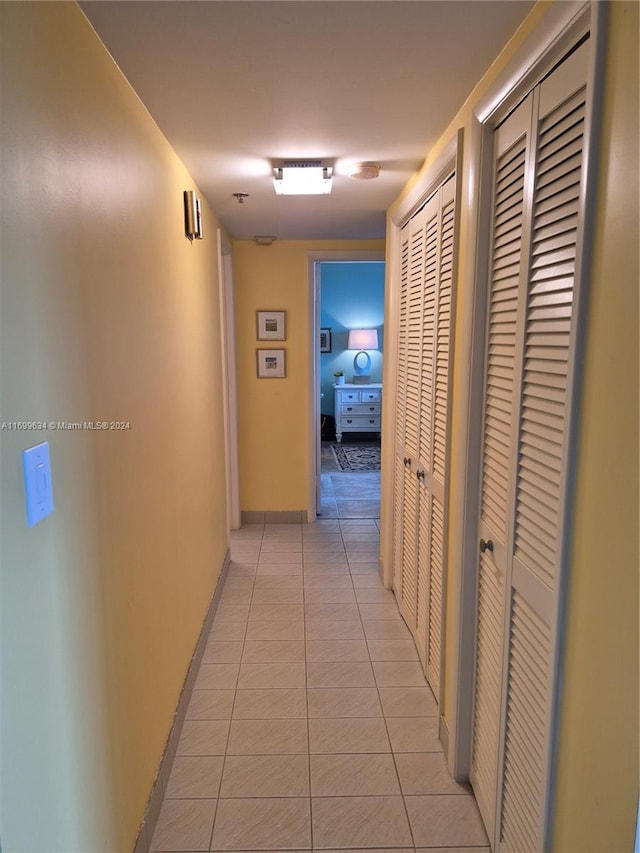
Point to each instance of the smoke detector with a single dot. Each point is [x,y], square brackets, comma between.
[364,171]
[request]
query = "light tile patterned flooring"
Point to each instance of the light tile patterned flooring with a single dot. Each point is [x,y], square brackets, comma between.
[311,726]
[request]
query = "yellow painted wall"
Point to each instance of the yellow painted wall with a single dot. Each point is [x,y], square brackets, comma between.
[597,770]
[273,442]
[598,757]
[108,313]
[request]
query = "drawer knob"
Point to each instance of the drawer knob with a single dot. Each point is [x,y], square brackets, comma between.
[486,546]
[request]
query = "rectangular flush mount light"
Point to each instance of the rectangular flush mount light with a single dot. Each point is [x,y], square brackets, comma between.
[302,177]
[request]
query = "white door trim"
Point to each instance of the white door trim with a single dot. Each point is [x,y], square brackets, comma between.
[313,364]
[229,380]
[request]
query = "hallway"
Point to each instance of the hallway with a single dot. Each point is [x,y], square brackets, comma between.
[311,726]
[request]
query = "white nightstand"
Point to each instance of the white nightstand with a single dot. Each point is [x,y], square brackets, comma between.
[358,408]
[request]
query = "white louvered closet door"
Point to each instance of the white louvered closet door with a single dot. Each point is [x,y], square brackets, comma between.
[528,389]
[433,446]
[426,284]
[401,383]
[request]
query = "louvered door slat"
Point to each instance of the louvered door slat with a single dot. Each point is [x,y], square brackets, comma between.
[436,555]
[526,720]
[547,351]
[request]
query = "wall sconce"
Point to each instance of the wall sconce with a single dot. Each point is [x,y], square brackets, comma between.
[362,339]
[192,216]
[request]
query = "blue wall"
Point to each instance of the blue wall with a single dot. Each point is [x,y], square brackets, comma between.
[351,297]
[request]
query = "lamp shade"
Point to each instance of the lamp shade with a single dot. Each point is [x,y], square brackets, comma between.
[363,339]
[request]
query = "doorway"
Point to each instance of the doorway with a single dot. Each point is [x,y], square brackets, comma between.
[347,294]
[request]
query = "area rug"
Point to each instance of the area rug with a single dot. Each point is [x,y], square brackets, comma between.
[357,457]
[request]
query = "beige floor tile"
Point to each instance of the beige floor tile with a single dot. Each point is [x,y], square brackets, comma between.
[344,702]
[265,776]
[243,569]
[280,546]
[276,613]
[322,674]
[446,850]
[227,631]
[349,735]
[324,581]
[353,775]
[367,581]
[273,651]
[380,611]
[447,819]
[195,777]
[392,650]
[268,737]
[386,629]
[203,737]
[408,702]
[426,773]
[363,552]
[414,734]
[238,584]
[184,825]
[381,850]
[269,704]
[278,582]
[277,596]
[359,822]
[262,824]
[268,630]
[317,546]
[361,536]
[360,568]
[279,570]
[222,651]
[332,564]
[328,629]
[236,596]
[232,612]
[328,595]
[280,558]
[279,675]
[375,595]
[399,673]
[331,611]
[217,676]
[337,650]
[210,705]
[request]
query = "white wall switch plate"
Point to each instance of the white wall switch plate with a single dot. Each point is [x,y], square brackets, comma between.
[37,482]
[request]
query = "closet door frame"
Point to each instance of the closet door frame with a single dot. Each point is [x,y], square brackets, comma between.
[562,28]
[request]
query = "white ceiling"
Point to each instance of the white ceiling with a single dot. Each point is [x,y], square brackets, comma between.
[237,84]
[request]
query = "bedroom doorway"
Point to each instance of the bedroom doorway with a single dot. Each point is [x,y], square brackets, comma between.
[349,295]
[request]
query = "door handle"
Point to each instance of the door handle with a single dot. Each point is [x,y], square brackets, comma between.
[407,460]
[486,546]
[420,474]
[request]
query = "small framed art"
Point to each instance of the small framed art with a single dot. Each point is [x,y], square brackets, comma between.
[271,364]
[325,340]
[271,325]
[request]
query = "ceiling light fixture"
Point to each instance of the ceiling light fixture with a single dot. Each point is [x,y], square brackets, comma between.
[364,171]
[264,239]
[240,197]
[302,177]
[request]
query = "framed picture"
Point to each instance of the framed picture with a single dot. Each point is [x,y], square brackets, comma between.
[325,340]
[271,325]
[271,364]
